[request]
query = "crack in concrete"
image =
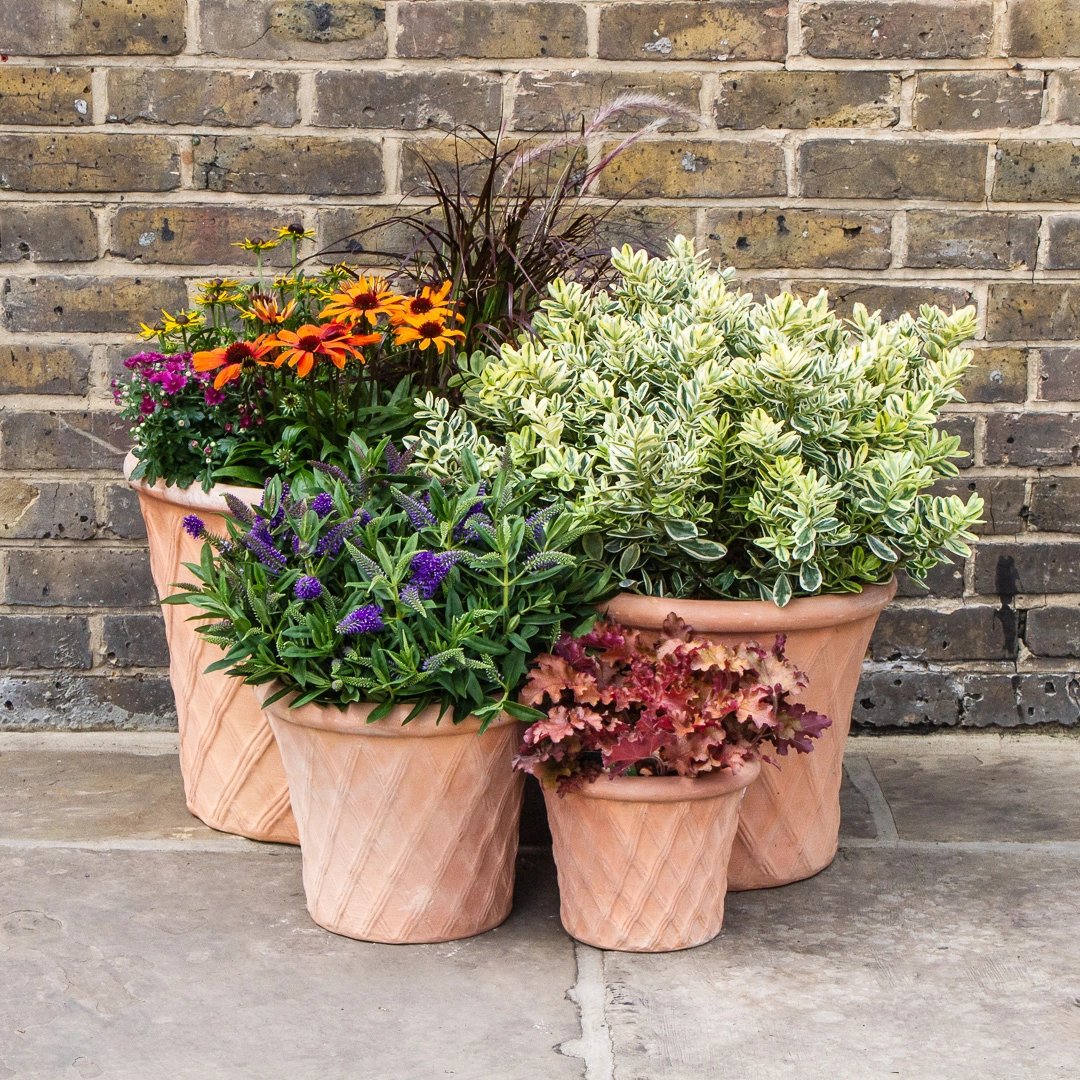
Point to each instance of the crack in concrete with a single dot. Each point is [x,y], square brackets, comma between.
[589,994]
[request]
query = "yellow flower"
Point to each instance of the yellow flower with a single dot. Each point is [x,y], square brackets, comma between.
[181,321]
[296,232]
[265,309]
[256,244]
[367,299]
[217,291]
[432,331]
[150,331]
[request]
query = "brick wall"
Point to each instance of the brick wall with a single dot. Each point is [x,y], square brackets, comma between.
[898,152]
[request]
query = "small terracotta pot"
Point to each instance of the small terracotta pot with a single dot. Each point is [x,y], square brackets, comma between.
[233,776]
[409,833]
[790,819]
[643,860]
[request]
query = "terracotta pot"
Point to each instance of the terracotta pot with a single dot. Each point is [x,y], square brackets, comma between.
[409,833]
[643,860]
[790,819]
[233,776]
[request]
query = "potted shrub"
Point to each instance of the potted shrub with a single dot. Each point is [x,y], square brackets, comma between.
[678,726]
[387,624]
[755,468]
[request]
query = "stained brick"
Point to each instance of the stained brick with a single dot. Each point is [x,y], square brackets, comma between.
[807,99]
[1003,500]
[35,368]
[1059,374]
[1055,504]
[448,29]
[1064,249]
[963,427]
[648,227]
[407,100]
[977,632]
[693,168]
[1064,89]
[1015,700]
[135,640]
[946,580]
[557,100]
[891,300]
[1044,28]
[123,518]
[108,27]
[202,96]
[800,238]
[996,375]
[45,95]
[88,304]
[908,29]
[902,698]
[356,230]
[84,162]
[1037,172]
[1027,568]
[40,509]
[87,703]
[44,641]
[297,165]
[1053,631]
[62,440]
[975,100]
[1033,439]
[702,30]
[897,169]
[87,576]
[945,239]
[1018,311]
[47,233]
[293,29]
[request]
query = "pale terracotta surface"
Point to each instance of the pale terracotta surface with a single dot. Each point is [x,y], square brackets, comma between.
[409,834]
[233,776]
[790,818]
[642,860]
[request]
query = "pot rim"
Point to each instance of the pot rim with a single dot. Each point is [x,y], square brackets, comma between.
[193,497]
[751,616]
[667,789]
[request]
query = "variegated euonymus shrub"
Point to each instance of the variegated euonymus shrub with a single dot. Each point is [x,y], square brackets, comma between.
[722,447]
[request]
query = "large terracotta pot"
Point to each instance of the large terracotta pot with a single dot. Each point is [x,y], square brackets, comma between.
[409,833]
[790,819]
[233,776]
[643,860]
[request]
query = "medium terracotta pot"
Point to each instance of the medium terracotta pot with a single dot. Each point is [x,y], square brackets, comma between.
[643,860]
[233,776]
[790,819]
[409,833]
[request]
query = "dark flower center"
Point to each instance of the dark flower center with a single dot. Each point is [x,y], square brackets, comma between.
[309,343]
[365,301]
[240,352]
[430,329]
[420,305]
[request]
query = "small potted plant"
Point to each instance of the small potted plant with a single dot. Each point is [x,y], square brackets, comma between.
[387,623]
[678,727]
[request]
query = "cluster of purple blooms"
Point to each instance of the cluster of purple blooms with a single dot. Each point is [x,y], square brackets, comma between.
[169,375]
[428,571]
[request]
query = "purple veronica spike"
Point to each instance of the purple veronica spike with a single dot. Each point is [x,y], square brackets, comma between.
[295,544]
[239,509]
[322,504]
[536,523]
[268,555]
[419,515]
[398,463]
[428,570]
[308,588]
[364,620]
[279,517]
[194,526]
[334,540]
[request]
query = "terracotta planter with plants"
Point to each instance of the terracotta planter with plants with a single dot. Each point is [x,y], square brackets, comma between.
[790,819]
[233,776]
[643,860]
[409,833]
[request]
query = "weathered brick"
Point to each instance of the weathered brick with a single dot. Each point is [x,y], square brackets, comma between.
[964,428]
[1064,248]
[975,100]
[135,640]
[123,518]
[1053,631]
[1003,500]
[1029,171]
[64,232]
[946,238]
[504,29]
[702,30]
[374,230]
[1055,504]
[558,100]
[1064,89]
[1059,374]
[1044,28]
[40,509]
[876,29]
[648,227]
[1033,439]
[903,698]
[946,580]
[293,29]
[296,165]
[1015,700]
[201,96]
[900,169]
[1017,311]
[88,304]
[85,576]
[690,168]
[975,632]
[996,375]
[44,641]
[799,238]
[36,368]
[108,27]
[87,703]
[62,440]
[1027,568]
[197,235]
[45,95]
[807,99]
[85,162]
[891,300]
[407,100]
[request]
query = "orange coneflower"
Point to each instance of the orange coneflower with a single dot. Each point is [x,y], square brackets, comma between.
[234,360]
[265,309]
[433,331]
[429,303]
[367,299]
[332,340]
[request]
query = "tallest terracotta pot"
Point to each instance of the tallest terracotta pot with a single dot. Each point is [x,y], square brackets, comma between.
[790,818]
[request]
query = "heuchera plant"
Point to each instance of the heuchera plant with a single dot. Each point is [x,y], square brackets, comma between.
[621,704]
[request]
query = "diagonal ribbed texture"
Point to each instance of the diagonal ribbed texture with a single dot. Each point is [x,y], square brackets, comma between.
[409,834]
[233,776]
[639,874]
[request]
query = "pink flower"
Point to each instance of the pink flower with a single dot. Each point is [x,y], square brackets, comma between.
[214,397]
[172,382]
[148,405]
